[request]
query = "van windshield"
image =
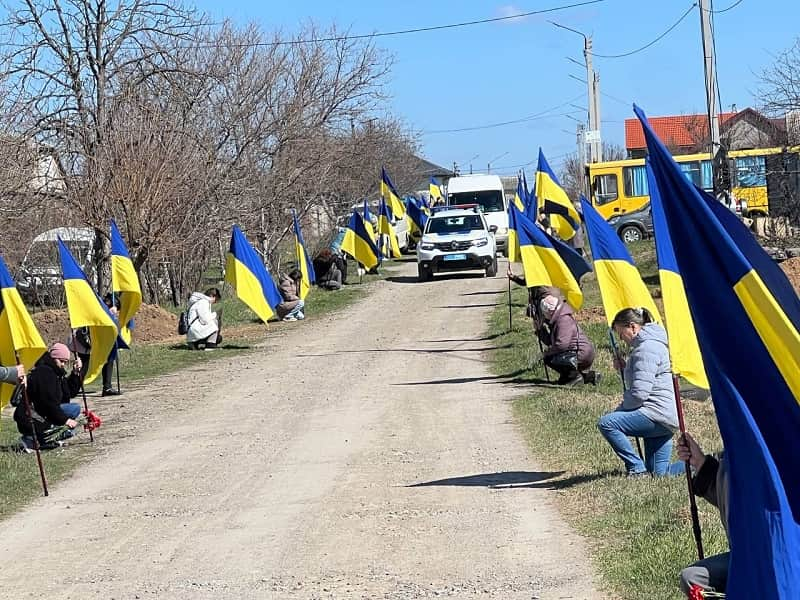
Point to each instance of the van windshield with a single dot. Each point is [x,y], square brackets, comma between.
[450,225]
[489,200]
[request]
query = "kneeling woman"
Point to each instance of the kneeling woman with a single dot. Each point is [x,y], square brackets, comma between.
[569,351]
[648,404]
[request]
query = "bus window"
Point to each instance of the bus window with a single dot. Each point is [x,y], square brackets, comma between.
[635,181]
[751,171]
[692,172]
[706,176]
[605,189]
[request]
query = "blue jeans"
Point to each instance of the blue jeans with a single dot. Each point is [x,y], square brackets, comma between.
[72,410]
[618,425]
[297,309]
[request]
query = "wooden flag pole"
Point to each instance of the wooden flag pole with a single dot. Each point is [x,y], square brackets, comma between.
[698,535]
[36,448]
[509,305]
[85,402]
[615,350]
[116,345]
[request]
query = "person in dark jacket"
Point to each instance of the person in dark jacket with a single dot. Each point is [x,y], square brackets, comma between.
[49,392]
[569,351]
[710,482]
[328,274]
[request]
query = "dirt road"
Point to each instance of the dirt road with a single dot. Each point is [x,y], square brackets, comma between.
[365,455]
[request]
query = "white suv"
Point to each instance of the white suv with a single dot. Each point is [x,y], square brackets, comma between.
[456,239]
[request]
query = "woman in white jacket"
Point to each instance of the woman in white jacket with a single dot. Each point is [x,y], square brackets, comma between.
[203,323]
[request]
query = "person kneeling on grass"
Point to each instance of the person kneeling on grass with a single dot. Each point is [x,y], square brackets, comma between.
[711,482]
[570,353]
[648,404]
[291,309]
[204,325]
[49,392]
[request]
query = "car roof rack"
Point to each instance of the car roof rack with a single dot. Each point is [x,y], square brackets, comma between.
[473,207]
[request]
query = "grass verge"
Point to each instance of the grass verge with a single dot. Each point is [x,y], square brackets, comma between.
[639,530]
[19,476]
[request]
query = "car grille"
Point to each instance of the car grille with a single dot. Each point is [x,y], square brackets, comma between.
[453,246]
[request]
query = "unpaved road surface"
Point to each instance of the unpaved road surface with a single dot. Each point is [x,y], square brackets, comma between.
[365,455]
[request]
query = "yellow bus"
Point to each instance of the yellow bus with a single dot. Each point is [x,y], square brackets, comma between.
[759,177]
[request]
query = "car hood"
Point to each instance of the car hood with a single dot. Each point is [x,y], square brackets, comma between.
[453,237]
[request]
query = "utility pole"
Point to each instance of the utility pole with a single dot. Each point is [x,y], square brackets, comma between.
[709,67]
[593,138]
[581,140]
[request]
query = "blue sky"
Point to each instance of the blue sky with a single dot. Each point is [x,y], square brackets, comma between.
[496,72]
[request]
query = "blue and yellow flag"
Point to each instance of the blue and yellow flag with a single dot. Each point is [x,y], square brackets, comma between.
[620,283]
[19,339]
[435,192]
[390,195]
[553,201]
[747,318]
[124,283]
[519,195]
[530,205]
[385,228]
[248,276]
[542,264]
[86,309]
[358,243]
[368,222]
[513,238]
[417,218]
[574,261]
[684,351]
[303,260]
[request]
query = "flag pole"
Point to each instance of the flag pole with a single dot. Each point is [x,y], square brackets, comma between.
[698,536]
[116,345]
[509,305]
[539,325]
[36,447]
[85,402]
[615,350]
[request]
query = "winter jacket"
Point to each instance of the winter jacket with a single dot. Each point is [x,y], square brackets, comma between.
[648,377]
[202,321]
[566,335]
[8,374]
[711,482]
[48,388]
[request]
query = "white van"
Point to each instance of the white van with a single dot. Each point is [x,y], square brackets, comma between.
[487,192]
[39,279]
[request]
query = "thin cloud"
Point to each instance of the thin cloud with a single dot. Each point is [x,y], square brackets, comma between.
[509,10]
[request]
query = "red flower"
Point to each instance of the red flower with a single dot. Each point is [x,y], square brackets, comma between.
[92,421]
[696,592]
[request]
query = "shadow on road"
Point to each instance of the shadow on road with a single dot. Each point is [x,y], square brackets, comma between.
[479,339]
[436,278]
[507,378]
[468,305]
[482,293]
[494,480]
[412,350]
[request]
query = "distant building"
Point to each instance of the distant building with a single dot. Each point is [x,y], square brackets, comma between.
[687,134]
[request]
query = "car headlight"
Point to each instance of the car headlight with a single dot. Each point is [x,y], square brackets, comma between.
[426,246]
[613,220]
[480,242]
[502,230]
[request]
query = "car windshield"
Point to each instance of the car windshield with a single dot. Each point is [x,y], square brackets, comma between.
[489,200]
[460,224]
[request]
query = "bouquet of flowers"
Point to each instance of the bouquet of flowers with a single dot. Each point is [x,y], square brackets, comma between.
[698,593]
[88,419]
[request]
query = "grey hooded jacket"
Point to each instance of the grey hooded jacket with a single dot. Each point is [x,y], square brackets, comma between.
[648,377]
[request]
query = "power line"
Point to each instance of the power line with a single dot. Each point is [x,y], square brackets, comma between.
[655,41]
[731,7]
[540,115]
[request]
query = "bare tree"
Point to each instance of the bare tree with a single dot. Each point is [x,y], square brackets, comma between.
[572,171]
[779,88]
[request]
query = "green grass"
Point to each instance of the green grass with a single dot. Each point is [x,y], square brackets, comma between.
[639,530]
[19,476]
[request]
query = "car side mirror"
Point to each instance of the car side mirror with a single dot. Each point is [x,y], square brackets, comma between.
[493,228]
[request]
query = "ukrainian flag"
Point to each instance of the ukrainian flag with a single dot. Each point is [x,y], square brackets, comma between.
[358,243]
[684,351]
[747,318]
[303,259]
[519,195]
[385,228]
[124,283]
[542,264]
[530,203]
[553,201]
[368,222]
[434,191]
[20,341]
[574,261]
[86,309]
[513,238]
[621,285]
[390,195]
[416,217]
[246,273]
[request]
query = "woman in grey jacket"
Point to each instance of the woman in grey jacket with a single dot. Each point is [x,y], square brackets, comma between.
[648,406]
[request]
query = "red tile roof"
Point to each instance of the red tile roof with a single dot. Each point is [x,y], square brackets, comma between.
[680,130]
